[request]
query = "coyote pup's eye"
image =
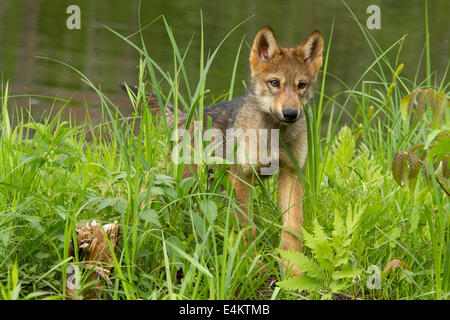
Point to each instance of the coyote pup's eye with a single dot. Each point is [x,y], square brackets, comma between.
[302,85]
[275,83]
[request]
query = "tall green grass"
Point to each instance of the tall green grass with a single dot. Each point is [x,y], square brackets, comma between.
[381,132]
[179,238]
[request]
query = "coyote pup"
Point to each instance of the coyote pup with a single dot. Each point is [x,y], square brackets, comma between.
[281,86]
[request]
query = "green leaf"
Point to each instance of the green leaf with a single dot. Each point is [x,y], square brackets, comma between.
[342,259]
[319,234]
[319,245]
[324,255]
[163,180]
[308,239]
[199,224]
[108,202]
[432,136]
[440,103]
[345,274]
[150,215]
[394,234]
[404,103]
[440,150]
[42,255]
[414,167]
[300,283]
[339,226]
[400,167]
[303,263]
[354,214]
[155,191]
[339,232]
[421,104]
[209,209]
[344,148]
[5,236]
[337,286]
[34,222]
[413,219]
[15,274]
[187,183]
[121,206]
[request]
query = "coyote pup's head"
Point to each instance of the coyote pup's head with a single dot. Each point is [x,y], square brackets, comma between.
[282,78]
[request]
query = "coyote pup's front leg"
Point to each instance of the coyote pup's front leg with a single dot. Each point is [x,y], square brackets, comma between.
[291,205]
[241,184]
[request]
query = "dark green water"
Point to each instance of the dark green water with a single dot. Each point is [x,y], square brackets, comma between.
[30,28]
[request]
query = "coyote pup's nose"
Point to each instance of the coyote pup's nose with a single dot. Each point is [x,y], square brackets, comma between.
[290,114]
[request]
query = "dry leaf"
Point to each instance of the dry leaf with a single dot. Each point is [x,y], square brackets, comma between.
[393,264]
[95,255]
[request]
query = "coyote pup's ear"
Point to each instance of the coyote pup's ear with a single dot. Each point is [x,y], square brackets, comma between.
[265,46]
[310,51]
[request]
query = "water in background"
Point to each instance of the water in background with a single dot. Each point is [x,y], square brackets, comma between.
[31,28]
